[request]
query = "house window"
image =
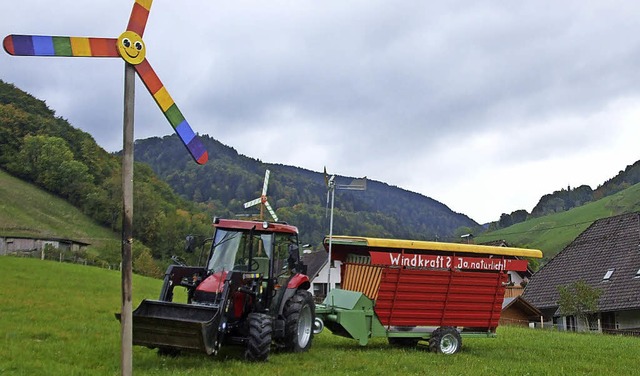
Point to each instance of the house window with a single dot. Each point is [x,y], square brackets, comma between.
[608,274]
[320,289]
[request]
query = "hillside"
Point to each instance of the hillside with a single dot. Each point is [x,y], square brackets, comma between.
[298,195]
[45,151]
[551,233]
[26,210]
[569,198]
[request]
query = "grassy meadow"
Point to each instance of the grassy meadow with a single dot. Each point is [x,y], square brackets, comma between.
[58,319]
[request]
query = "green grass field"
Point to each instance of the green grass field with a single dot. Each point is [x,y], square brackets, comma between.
[58,319]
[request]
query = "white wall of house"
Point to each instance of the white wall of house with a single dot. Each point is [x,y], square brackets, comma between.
[623,320]
[319,284]
[573,324]
[515,278]
[628,319]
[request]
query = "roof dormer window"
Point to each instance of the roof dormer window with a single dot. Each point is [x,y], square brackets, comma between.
[608,274]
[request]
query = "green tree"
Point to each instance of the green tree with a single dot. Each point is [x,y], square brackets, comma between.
[144,264]
[580,300]
[49,162]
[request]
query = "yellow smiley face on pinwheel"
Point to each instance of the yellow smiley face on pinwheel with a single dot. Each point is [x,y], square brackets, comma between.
[131,47]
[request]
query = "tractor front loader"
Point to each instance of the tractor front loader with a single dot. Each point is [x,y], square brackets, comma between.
[251,292]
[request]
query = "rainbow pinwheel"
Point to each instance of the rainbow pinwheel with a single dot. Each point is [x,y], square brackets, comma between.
[130,47]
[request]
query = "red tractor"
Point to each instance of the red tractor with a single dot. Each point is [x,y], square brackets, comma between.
[251,292]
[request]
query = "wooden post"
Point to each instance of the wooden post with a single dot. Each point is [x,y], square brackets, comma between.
[126,320]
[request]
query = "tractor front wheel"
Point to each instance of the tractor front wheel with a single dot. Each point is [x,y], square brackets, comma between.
[445,340]
[299,313]
[259,339]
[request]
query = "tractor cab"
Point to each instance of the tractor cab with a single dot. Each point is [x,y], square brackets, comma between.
[258,257]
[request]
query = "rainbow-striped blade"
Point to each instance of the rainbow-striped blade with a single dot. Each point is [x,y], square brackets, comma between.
[172,112]
[130,47]
[43,45]
[139,16]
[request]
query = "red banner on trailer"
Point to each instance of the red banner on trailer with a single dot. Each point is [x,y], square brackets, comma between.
[422,261]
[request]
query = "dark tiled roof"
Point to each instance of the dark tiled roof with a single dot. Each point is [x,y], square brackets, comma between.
[608,244]
[314,262]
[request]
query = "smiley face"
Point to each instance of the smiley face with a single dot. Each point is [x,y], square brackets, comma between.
[131,47]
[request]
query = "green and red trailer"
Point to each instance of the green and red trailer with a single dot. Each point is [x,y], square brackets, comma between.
[410,291]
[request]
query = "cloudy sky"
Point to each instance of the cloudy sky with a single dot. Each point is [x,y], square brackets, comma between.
[482,105]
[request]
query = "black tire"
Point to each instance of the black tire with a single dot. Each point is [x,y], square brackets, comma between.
[403,342]
[259,339]
[299,315]
[445,340]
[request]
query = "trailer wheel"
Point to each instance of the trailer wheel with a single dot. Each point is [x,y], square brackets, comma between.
[445,340]
[259,339]
[299,313]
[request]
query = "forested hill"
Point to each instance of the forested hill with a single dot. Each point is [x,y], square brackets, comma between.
[181,196]
[298,195]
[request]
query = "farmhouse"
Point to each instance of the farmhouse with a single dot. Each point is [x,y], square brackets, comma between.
[606,256]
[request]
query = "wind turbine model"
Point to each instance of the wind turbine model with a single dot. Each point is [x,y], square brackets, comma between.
[131,48]
[263,200]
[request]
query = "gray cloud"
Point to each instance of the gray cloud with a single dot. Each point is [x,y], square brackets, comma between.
[458,101]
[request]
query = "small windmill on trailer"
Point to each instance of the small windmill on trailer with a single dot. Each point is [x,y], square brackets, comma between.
[262,200]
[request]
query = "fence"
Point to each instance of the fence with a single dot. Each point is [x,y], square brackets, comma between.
[62,255]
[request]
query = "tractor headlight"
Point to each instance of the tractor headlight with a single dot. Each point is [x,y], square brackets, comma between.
[318,325]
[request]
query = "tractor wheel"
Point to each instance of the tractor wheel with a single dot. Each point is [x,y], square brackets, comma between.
[445,340]
[299,313]
[259,339]
[403,342]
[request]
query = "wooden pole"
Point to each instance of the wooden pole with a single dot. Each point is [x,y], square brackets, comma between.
[126,320]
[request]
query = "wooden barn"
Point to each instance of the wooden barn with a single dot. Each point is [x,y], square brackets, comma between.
[24,244]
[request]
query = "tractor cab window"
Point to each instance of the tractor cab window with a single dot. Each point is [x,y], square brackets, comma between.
[238,250]
[224,250]
[286,254]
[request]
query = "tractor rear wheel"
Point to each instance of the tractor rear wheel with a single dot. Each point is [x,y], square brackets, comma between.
[259,339]
[445,340]
[299,313]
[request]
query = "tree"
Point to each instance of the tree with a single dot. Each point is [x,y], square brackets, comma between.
[580,300]
[145,265]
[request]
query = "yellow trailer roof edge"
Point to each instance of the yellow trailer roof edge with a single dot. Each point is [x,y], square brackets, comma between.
[433,246]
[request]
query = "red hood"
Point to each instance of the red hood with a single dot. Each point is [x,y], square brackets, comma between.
[214,283]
